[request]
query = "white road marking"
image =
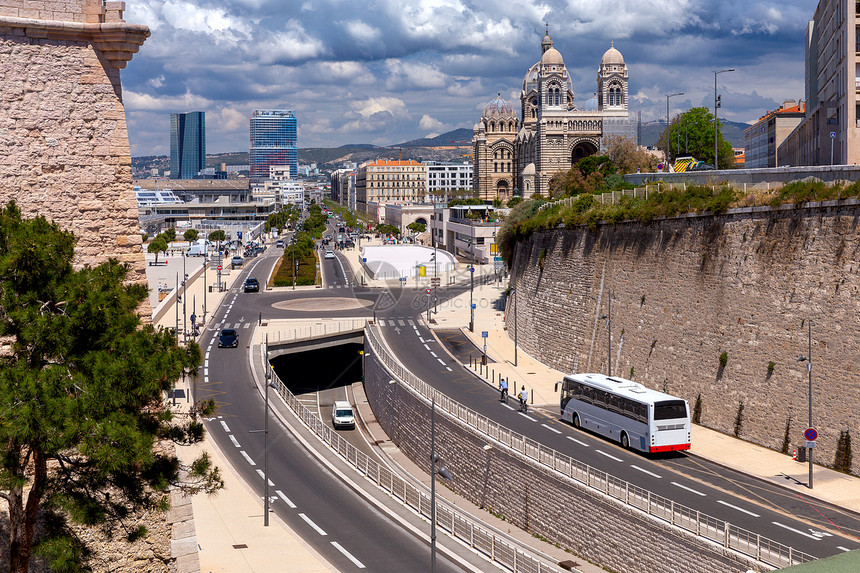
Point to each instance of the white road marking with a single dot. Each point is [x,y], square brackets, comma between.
[551,429]
[644,471]
[421,339]
[691,490]
[797,531]
[381,322]
[742,510]
[401,323]
[247,457]
[610,456]
[839,547]
[262,475]
[427,347]
[442,362]
[577,441]
[247,325]
[348,555]
[235,441]
[508,407]
[527,416]
[285,498]
[206,371]
[226,428]
[449,369]
[412,323]
[312,524]
[434,355]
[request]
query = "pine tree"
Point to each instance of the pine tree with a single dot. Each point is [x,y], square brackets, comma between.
[81,396]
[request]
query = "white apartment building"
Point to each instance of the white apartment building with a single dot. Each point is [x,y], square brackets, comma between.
[446,179]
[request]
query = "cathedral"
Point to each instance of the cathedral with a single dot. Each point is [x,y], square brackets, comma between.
[518,156]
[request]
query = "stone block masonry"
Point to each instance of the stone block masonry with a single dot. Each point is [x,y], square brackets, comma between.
[687,289]
[536,499]
[64,150]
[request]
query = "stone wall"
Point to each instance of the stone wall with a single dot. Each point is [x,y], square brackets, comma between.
[64,150]
[536,499]
[687,289]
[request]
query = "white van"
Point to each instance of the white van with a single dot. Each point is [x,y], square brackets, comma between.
[342,415]
[198,248]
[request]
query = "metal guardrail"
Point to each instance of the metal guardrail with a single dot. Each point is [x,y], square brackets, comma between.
[693,521]
[458,525]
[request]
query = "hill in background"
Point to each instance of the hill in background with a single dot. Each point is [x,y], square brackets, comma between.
[450,146]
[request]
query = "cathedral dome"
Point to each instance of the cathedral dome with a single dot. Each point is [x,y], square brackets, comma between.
[552,57]
[612,57]
[499,109]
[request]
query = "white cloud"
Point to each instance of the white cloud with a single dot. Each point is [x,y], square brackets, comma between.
[362,32]
[369,107]
[290,45]
[426,122]
[405,75]
[172,104]
[187,16]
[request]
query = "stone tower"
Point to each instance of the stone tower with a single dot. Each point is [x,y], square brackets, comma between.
[64,150]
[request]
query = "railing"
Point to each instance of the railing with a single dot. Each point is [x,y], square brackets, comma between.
[716,530]
[461,526]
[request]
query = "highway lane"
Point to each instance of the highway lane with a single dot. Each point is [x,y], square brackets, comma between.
[804,523]
[307,496]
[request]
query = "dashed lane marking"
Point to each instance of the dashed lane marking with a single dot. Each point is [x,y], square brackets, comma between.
[312,524]
[524,415]
[449,369]
[691,490]
[610,456]
[644,471]
[262,475]
[348,555]
[551,429]
[433,354]
[742,510]
[797,531]
[442,362]
[226,427]
[581,443]
[427,347]
[247,457]
[235,441]
[285,498]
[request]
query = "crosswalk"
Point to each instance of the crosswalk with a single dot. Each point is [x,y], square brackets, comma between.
[233,325]
[404,321]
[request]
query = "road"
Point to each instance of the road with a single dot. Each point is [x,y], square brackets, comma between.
[805,523]
[315,503]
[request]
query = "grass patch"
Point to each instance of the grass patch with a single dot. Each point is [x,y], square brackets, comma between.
[306,273]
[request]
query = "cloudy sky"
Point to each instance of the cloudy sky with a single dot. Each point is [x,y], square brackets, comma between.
[387,71]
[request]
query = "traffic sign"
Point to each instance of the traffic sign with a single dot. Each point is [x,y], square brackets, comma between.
[403,279]
[363,259]
[485,334]
[810,434]
[435,281]
[219,267]
[474,306]
[832,135]
[427,291]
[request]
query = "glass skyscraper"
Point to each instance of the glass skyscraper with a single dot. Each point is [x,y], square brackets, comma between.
[187,144]
[273,142]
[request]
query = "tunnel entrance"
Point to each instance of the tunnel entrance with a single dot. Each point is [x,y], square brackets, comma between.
[319,369]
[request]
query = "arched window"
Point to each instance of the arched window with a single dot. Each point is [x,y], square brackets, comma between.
[492,126]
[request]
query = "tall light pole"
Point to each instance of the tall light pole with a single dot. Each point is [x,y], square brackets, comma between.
[716,123]
[472,283]
[265,432]
[443,471]
[808,360]
[608,317]
[667,127]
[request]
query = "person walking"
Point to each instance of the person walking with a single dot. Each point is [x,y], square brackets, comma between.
[503,388]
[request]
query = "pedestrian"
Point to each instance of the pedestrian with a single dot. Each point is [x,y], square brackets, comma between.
[159,287]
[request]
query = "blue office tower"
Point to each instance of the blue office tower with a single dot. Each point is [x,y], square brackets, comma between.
[273,142]
[187,144]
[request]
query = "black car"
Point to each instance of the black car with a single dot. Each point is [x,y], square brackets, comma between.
[228,339]
[252,285]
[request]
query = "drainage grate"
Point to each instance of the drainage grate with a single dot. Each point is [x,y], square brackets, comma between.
[240,546]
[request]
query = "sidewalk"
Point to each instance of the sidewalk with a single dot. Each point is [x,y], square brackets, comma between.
[829,486]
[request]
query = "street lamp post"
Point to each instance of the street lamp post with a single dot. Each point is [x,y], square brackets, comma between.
[808,360]
[472,280]
[608,317]
[442,471]
[667,126]
[265,432]
[717,104]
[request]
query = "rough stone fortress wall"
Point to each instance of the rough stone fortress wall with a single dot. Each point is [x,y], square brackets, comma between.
[64,150]
[687,289]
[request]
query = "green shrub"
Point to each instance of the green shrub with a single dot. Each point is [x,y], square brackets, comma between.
[697,408]
[739,420]
[724,359]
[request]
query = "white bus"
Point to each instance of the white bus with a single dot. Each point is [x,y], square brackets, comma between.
[639,418]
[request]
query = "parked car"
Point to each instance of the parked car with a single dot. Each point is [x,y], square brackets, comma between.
[228,339]
[252,285]
[329,254]
[237,261]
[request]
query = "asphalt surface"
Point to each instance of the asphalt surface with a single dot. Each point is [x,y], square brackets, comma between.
[804,523]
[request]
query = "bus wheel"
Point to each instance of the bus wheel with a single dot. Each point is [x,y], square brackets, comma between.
[576,420]
[625,441]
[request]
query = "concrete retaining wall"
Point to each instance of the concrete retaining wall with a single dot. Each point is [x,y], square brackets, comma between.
[739,177]
[687,289]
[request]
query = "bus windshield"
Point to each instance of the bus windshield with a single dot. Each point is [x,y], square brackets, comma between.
[670,410]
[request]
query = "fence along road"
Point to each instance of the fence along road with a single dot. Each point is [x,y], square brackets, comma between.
[715,530]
